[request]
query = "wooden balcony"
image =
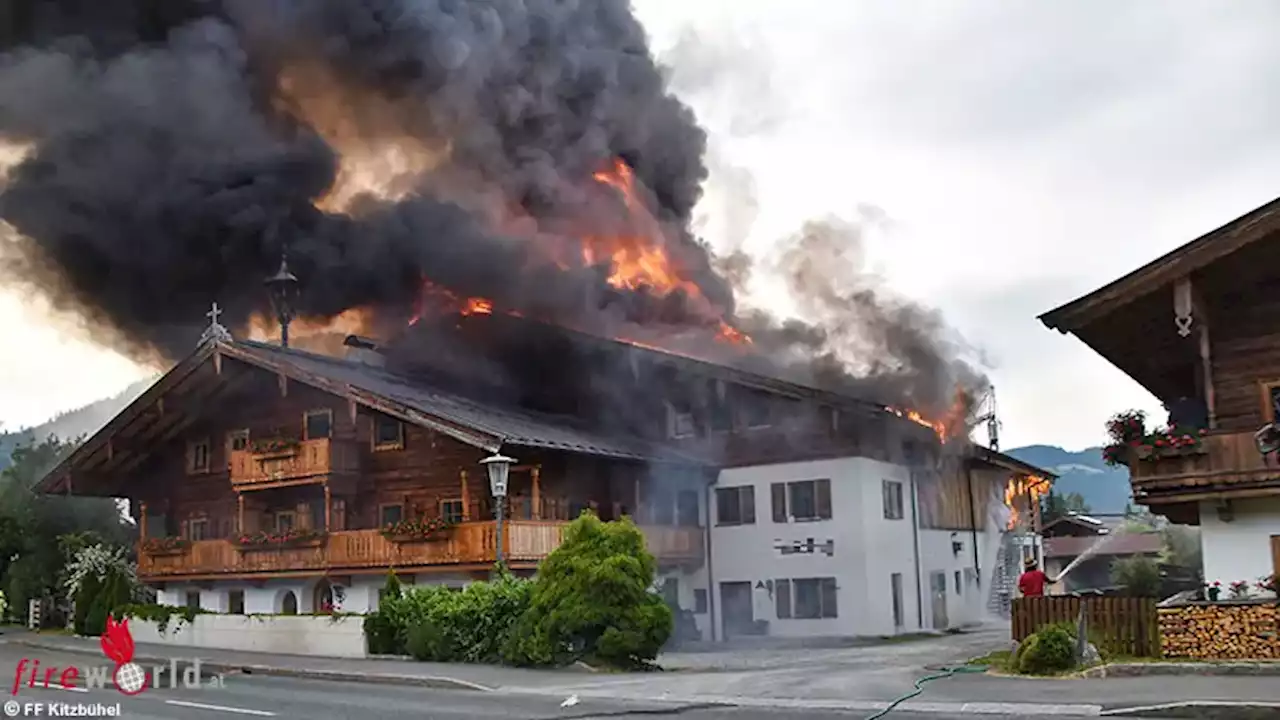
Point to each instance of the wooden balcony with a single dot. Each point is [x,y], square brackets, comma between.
[1226,464]
[308,461]
[676,545]
[472,543]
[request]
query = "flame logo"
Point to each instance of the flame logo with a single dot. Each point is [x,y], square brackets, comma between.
[117,645]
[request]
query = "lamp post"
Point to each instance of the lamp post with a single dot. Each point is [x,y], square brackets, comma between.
[499,467]
[283,288]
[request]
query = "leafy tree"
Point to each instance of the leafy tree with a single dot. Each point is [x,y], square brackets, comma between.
[32,556]
[592,599]
[1138,575]
[1054,506]
[1182,547]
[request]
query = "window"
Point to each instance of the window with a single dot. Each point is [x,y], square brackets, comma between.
[804,500]
[198,529]
[719,411]
[736,505]
[892,490]
[895,586]
[805,599]
[238,440]
[755,409]
[193,600]
[679,420]
[317,424]
[958,592]
[284,521]
[782,598]
[671,592]
[700,600]
[687,508]
[815,598]
[235,602]
[662,510]
[451,511]
[388,433]
[390,514]
[198,457]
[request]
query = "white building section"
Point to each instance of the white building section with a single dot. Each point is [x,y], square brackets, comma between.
[832,548]
[1236,539]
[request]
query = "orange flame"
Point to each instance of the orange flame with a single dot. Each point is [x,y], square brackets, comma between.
[263,327]
[1025,490]
[939,428]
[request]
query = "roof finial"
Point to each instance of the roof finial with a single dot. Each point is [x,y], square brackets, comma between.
[215,332]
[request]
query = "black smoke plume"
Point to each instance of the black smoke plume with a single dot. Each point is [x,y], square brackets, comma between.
[178,147]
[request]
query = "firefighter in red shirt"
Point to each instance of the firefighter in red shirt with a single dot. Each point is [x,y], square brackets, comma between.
[1032,582]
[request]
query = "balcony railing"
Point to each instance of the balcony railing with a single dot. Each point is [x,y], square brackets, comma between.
[308,459]
[467,543]
[1223,462]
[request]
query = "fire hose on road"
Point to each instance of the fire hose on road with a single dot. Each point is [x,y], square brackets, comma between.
[945,672]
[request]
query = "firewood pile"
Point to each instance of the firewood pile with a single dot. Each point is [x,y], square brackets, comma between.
[1221,631]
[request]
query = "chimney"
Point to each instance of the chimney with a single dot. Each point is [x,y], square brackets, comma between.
[364,350]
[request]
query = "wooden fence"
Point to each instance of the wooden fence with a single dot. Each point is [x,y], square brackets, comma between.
[1125,625]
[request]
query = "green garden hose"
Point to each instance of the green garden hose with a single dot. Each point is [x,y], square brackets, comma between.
[945,672]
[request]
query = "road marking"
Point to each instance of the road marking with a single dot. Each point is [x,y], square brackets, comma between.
[220,708]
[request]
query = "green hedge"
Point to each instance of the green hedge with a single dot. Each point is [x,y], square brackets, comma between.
[590,600]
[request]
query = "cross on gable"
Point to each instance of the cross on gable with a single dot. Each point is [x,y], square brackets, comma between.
[215,332]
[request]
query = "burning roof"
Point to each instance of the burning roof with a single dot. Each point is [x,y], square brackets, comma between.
[521,157]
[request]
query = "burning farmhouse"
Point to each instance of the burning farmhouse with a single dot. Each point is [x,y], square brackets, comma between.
[479,225]
[268,479]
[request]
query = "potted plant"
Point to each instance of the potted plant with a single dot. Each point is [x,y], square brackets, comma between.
[1213,591]
[1239,590]
[416,530]
[1268,584]
[266,540]
[165,545]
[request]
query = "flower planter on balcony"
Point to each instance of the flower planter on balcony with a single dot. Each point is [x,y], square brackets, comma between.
[410,538]
[284,541]
[416,531]
[284,545]
[166,550]
[279,454]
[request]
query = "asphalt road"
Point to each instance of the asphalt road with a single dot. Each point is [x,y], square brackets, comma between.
[249,696]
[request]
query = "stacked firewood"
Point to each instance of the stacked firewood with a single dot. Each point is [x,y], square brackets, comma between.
[1221,631]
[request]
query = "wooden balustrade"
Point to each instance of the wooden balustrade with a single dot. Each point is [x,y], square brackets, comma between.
[307,459]
[466,543]
[675,544]
[1222,460]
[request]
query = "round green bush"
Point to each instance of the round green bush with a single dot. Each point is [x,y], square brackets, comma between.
[1048,651]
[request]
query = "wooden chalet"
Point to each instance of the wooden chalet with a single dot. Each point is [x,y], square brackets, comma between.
[1197,328]
[244,438]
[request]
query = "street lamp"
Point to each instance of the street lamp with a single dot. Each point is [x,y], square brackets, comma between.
[283,288]
[499,467]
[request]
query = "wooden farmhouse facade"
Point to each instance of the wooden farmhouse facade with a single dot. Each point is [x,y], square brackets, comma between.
[1198,329]
[266,479]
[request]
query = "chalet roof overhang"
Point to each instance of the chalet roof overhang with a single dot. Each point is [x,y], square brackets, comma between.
[992,458]
[1137,309]
[1163,271]
[139,419]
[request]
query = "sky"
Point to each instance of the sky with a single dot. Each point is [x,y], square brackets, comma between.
[1025,153]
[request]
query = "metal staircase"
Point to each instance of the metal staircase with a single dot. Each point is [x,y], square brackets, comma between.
[1000,598]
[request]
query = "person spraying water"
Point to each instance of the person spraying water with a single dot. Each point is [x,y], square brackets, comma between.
[1033,580]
